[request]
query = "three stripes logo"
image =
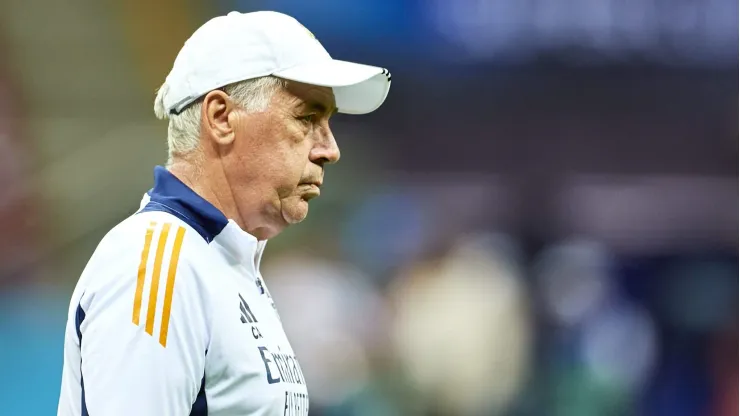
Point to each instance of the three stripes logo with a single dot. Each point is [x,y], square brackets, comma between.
[387,73]
[247,315]
[151,273]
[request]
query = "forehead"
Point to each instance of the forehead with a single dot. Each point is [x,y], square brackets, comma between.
[306,95]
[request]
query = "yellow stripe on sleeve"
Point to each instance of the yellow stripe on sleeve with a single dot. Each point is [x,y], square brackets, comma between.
[155,279]
[142,272]
[171,272]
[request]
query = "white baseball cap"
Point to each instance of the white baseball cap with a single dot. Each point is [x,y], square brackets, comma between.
[241,46]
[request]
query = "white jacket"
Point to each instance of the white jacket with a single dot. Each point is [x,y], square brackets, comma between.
[171,317]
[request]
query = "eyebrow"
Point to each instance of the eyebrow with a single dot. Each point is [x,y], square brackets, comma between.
[317,106]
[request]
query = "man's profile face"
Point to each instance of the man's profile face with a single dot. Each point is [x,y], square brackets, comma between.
[283,151]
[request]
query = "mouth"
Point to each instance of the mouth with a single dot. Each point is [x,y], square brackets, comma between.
[310,190]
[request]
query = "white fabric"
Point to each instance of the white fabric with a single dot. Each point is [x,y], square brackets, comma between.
[241,46]
[249,368]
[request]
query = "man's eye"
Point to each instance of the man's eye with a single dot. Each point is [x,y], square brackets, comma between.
[307,118]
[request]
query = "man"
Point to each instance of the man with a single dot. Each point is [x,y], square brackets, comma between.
[171,316]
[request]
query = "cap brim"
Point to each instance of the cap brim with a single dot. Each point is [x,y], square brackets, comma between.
[358,88]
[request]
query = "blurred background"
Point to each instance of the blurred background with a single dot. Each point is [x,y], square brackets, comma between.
[541,220]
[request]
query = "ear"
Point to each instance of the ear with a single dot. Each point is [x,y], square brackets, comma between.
[218,114]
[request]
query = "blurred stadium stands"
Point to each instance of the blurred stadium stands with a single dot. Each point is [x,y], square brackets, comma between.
[540,221]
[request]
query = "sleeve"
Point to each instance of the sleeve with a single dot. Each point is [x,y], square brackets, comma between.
[144,330]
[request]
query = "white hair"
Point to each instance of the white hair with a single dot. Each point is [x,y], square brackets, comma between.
[183,133]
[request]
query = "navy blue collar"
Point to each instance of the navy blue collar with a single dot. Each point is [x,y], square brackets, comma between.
[171,195]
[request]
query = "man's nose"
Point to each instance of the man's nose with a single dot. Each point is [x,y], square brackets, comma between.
[326,150]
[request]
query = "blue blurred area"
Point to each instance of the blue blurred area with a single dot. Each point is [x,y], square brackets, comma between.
[31,342]
[379,28]
[696,33]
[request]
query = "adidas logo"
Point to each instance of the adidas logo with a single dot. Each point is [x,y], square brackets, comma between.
[246,314]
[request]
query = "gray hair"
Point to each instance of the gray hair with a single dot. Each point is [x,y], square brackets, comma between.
[183,133]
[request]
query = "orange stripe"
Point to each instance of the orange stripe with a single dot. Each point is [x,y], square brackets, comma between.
[171,272]
[142,272]
[155,279]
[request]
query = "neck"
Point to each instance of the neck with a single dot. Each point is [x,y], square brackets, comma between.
[211,183]
[207,176]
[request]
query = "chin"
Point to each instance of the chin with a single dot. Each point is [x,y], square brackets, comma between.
[295,211]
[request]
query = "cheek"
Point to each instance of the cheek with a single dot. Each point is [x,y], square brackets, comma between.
[296,147]
[291,159]
[278,154]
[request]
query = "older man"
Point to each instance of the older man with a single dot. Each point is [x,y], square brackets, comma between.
[171,316]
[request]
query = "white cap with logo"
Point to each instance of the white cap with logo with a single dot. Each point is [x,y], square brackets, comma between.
[242,46]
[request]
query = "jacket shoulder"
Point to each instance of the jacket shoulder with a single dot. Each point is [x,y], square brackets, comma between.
[145,240]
